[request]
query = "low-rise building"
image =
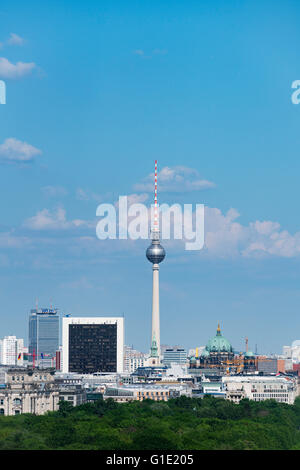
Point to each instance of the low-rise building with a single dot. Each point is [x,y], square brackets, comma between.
[120,395]
[281,388]
[71,389]
[142,392]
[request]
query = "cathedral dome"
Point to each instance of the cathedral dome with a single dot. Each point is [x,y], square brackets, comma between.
[205,353]
[218,343]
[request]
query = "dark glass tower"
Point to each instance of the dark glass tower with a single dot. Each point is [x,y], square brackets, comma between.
[92,348]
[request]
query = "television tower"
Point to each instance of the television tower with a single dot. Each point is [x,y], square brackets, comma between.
[155,254]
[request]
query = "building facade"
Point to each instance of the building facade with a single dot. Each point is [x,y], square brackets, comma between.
[133,359]
[283,389]
[267,365]
[11,351]
[28,391]
[43,336]
[174,356]
[93,344]
[141,392]
[71,389]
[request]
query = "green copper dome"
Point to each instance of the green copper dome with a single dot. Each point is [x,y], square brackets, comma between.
[249,354]
[205,353]
[218,343]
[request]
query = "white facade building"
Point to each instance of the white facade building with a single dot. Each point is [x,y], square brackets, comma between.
[105,347]
[258,388]
[133,359]
[29,391]
[292,352]
[10,348]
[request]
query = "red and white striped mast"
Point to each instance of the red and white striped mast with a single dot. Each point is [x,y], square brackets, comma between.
[156,225]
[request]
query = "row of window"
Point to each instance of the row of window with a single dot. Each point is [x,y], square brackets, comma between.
[269,387]
[283,400]
[271,395]
[17,412]
[141,398]
[19,377]
[17,401]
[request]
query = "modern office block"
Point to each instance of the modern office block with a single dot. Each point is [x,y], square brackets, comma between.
[93,344]
[174,356]
[43,335]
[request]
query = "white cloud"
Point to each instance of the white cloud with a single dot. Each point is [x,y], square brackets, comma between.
[141,53]
[15,40]
[18,70]
[175,179]
[86,195]
[54,191]
[82,283]
[10,240]
[13,150]
[82,195]
[138,52]
[56,220]
[224,236]
[135,199]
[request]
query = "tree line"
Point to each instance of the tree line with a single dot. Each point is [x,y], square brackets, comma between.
[179,424]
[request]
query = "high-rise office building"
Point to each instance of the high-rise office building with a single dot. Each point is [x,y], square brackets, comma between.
[93,344]
[43,335]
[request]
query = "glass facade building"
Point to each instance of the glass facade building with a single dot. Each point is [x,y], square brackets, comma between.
[43,334]
[92,348]
[92,345]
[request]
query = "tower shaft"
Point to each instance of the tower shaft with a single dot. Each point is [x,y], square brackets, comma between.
[155,337]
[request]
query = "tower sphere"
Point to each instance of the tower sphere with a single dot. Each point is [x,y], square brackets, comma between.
[155,252]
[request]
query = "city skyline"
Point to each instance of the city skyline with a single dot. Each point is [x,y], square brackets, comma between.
[93,97]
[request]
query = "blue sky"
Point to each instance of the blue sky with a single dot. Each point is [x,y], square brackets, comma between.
[98,91]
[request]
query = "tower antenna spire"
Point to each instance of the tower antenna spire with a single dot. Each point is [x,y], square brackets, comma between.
[156,227]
